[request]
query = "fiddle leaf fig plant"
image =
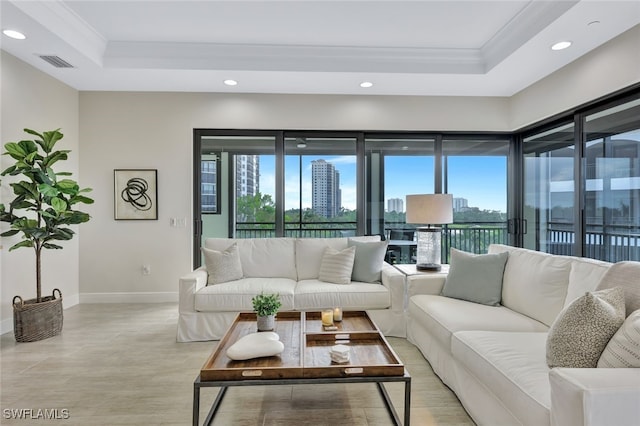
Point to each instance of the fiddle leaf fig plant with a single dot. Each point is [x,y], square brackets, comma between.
[43,207]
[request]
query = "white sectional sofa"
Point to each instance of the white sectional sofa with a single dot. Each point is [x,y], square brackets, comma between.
[289,267]
[494,357]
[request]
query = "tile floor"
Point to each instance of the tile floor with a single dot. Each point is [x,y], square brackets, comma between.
[119,364]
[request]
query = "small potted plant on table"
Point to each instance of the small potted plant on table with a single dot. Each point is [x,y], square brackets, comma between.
[266,306]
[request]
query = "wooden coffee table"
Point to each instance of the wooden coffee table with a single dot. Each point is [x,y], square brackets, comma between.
[306,359]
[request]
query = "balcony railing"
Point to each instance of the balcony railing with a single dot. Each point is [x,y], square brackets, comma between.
[612,243]
[297,230]
[470,237]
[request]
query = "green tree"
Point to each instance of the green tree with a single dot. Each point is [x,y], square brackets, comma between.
[256,208]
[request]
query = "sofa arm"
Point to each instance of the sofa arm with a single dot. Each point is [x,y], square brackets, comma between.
[394,281]
[595,396]
[188,285]
[426,282]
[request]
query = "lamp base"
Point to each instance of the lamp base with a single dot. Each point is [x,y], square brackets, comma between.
[431,267]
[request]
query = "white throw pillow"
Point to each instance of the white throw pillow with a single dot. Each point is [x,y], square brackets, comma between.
[223,266]
[623,350]
[336,266]
[579,335]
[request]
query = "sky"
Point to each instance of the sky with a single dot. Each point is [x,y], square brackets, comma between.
[481,180]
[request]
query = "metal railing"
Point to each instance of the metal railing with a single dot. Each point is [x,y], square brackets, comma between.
[297,230]
[611,243]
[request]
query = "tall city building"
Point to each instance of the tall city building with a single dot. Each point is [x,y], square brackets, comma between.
[209,185]
[395,205]
[326,196]
[460,204]
[247,175]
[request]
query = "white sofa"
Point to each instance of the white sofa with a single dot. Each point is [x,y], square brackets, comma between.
[289,267]
[494,357]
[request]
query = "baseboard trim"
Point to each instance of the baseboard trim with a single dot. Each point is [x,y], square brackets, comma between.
[6,325]
[146,297]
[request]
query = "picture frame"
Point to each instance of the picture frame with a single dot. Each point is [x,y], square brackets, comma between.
[135,194]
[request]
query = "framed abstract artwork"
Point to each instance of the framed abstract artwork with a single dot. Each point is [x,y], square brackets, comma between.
[135,194]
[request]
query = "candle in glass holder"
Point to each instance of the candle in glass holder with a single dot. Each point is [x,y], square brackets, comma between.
[337,314]
[327,317]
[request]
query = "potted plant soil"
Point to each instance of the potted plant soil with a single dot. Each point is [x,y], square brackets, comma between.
[266,306]
[41,212]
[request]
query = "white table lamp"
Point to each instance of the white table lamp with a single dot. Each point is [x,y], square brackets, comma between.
[429,209]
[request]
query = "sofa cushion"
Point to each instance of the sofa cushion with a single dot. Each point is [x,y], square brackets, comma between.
[222,266]
[262,257]
[316,294]
[534,283]
[582,330]
[309,253]
[623,350]
[236,295]
[475,277]
[443,316]
[337,265]
[584,276]
[367,265]
[625,275]
[512,367]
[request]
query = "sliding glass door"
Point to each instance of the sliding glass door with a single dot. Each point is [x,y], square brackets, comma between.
[612,190]
[549,190]
[320,191]
[475,173]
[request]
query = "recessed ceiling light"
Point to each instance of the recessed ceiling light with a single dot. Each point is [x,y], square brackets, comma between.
[561,45]
[230,82]
[14,34]
[593,23]
[366,84]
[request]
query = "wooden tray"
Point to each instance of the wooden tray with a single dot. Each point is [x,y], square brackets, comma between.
[352,321]
[286,365]
[306,350]
[370,355]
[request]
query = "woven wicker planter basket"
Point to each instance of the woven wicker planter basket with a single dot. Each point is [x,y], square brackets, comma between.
[33,321]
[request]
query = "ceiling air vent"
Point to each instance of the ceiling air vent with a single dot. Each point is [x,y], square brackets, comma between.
[56,61]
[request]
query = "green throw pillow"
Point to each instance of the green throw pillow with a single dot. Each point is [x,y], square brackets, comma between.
[475,277]
[367,265]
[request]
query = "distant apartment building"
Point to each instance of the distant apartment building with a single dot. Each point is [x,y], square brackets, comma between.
[247,175]
[395,205]
[209,185]
[460,204]
[326,196]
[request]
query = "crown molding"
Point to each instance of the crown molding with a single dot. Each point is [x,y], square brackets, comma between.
[60,20]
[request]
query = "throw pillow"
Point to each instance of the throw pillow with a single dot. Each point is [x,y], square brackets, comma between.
[582,330]
[623,350]
[475,277]
[367,265]
[223,266]
[337,265]
[625,275]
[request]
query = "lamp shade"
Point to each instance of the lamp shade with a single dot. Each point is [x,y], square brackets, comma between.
[429,209]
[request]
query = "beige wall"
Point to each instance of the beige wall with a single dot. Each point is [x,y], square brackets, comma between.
[609,68]
[33,100]
[154,130]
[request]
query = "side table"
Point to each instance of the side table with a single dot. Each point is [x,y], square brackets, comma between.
[421,282]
